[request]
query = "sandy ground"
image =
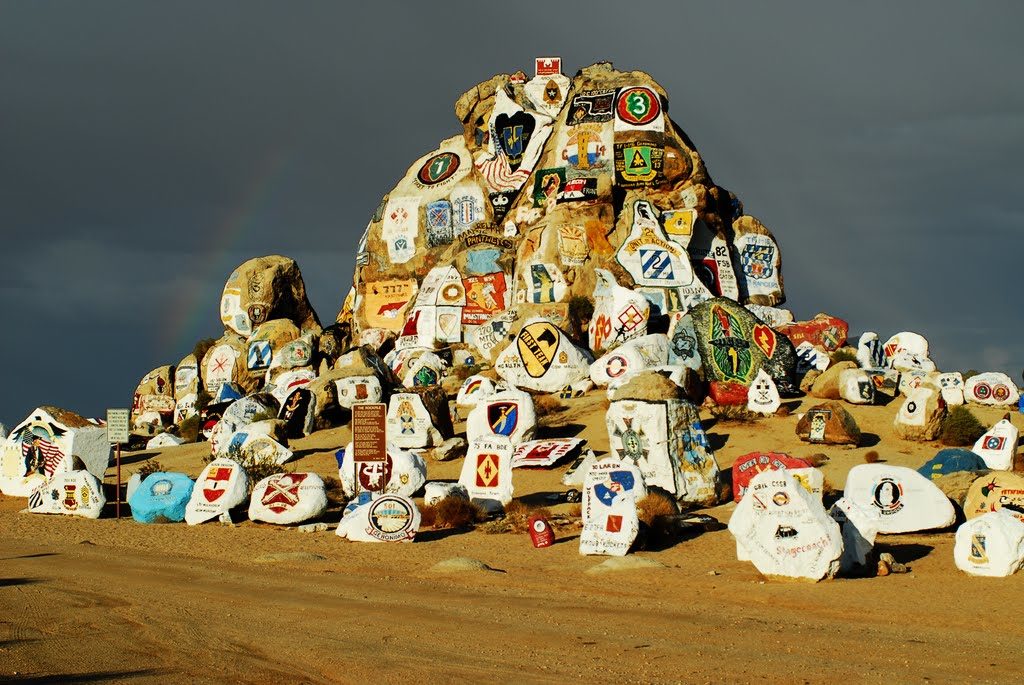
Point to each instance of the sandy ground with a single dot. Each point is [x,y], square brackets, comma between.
[103,601]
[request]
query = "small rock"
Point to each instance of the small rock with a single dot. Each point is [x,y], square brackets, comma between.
[627,563]
[462,565]
[312,528]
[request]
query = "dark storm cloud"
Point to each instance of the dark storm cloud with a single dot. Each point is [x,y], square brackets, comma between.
[147,149]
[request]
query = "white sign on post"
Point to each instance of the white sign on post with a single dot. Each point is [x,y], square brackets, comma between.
[117,426]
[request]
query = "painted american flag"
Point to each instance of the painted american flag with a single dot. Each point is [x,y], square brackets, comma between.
[52,454]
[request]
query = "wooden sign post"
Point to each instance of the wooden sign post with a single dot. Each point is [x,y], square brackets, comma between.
[117,433]
[369,439]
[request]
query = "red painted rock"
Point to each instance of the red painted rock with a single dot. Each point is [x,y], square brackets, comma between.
[822,331]
[749,465]
[540,532]
[724,393]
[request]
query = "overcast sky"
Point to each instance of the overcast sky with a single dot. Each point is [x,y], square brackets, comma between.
[147,149]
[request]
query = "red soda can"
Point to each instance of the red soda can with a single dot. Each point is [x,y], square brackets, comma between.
[540,532]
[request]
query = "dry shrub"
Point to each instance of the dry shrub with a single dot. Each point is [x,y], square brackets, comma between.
[516,518]
[817,460]
[871,457]
[654,506]
[258,469]
[455,512]
[546,405]
[150,466]
[961,428]
[575,511]
[189,429]
[335,493]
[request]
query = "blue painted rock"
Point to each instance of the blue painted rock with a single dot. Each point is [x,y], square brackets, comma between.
[161,498]
[950,461]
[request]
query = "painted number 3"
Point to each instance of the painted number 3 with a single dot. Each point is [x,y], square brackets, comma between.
[638,105]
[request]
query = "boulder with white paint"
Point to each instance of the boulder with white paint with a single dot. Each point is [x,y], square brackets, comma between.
[763,396]
[384,518]
[998,445]
[73,493]
[951,386]
[996,491]
[409,423]
[856,386]
[541,357]
[401,473]
[905,360]
[920,416]
[612,487]
[992,389]
[638,354]
[487,472]
[161,498]
[859,525]
[784,530]
[221,487]
[905,500]
[620,314]
[434,492]
[509,413]
[545,453]
[906,341]
[990,545]
[474,389]
[264,449]
[353,390]
[163,441]
[870,354]
[286,498]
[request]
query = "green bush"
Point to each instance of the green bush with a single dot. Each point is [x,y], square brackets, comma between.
[844,354]
[189,429]
[961,428]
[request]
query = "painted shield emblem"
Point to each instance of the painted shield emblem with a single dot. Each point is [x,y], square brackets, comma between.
[438,168]
[730,349]
[765,339]
[537,344]
[487,470]
[638,106]
[514,134]
[503,417]
[391,516]
[374,475]
[216,482]
[282,492]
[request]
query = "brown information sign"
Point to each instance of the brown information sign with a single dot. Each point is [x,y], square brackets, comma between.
[369,432]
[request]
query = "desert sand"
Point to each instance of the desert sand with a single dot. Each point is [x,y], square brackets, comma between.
[107,600]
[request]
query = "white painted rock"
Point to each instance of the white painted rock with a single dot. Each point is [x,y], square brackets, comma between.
[905,360]
[810,357]
[544,283]
[542,358]
[870,354]
[509,413]
[409,425]
[544,453]
[905,500]
[74,493]
[164,440]
[402,473]
[773,316]
[425,369]
[998,446]
[856,386]
[358,390]
[994,389]
[222,486]
[639,354]
[683,350]
[620,314]
[577,471]
[435,492]
[284,384]
[474,389]
[905,342]
[763,396]
[491,337]
[264,449]
[286,498]
[859,525]
[920,416]
[667,444]
[487,472]
[990,545]
[784,530]
[612,488]
[951,385]
[385,518]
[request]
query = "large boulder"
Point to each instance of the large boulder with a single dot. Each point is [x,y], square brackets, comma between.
[154,395]
[73,493]
[286,498]
[263,289]
[920,416]
[487,472]
[222,486]
[383,518]
[824,331]
[990,545]
[994,389]
[161,498]
[827,386]
[401,473]
[552,180]
[630,358]
[951,460]
[509,412]
[998,445]
[905,500]
[611,489]
[828,424]
[542,357]
[994,491]
[856,386]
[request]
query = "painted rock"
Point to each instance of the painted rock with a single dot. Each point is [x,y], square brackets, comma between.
[354,390]
[828,424]
[995,491]
[161,498]
[951,385]
[905,360]
[810,358]
[758,261]
[409,424]
[784,530]
[859,526]
[164,440]
[542,358]
[434,492]
[509,413]
[426,369]
[646,253]
[264,449]
[474,389]
[870,354]
[734,344]
[994,389]
[990,545]
[221,487]
[384,518]
[827,386]
[265,343]
[998,446]
[887,382]
[611,490]
[74,493]
[155,393]
[545,453]
[629,358]
[728,394]
[949,461]
[905,341]
[682,349]
[773,316]
[763,396]
[401,473]
[266,288]
[298,412]
[912,379]
[287,498]
[491,337]
[487,472]
[920,416]
[186,377]
[824,331]
[856,386]
[905,500]
[666,442]
[753,463]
